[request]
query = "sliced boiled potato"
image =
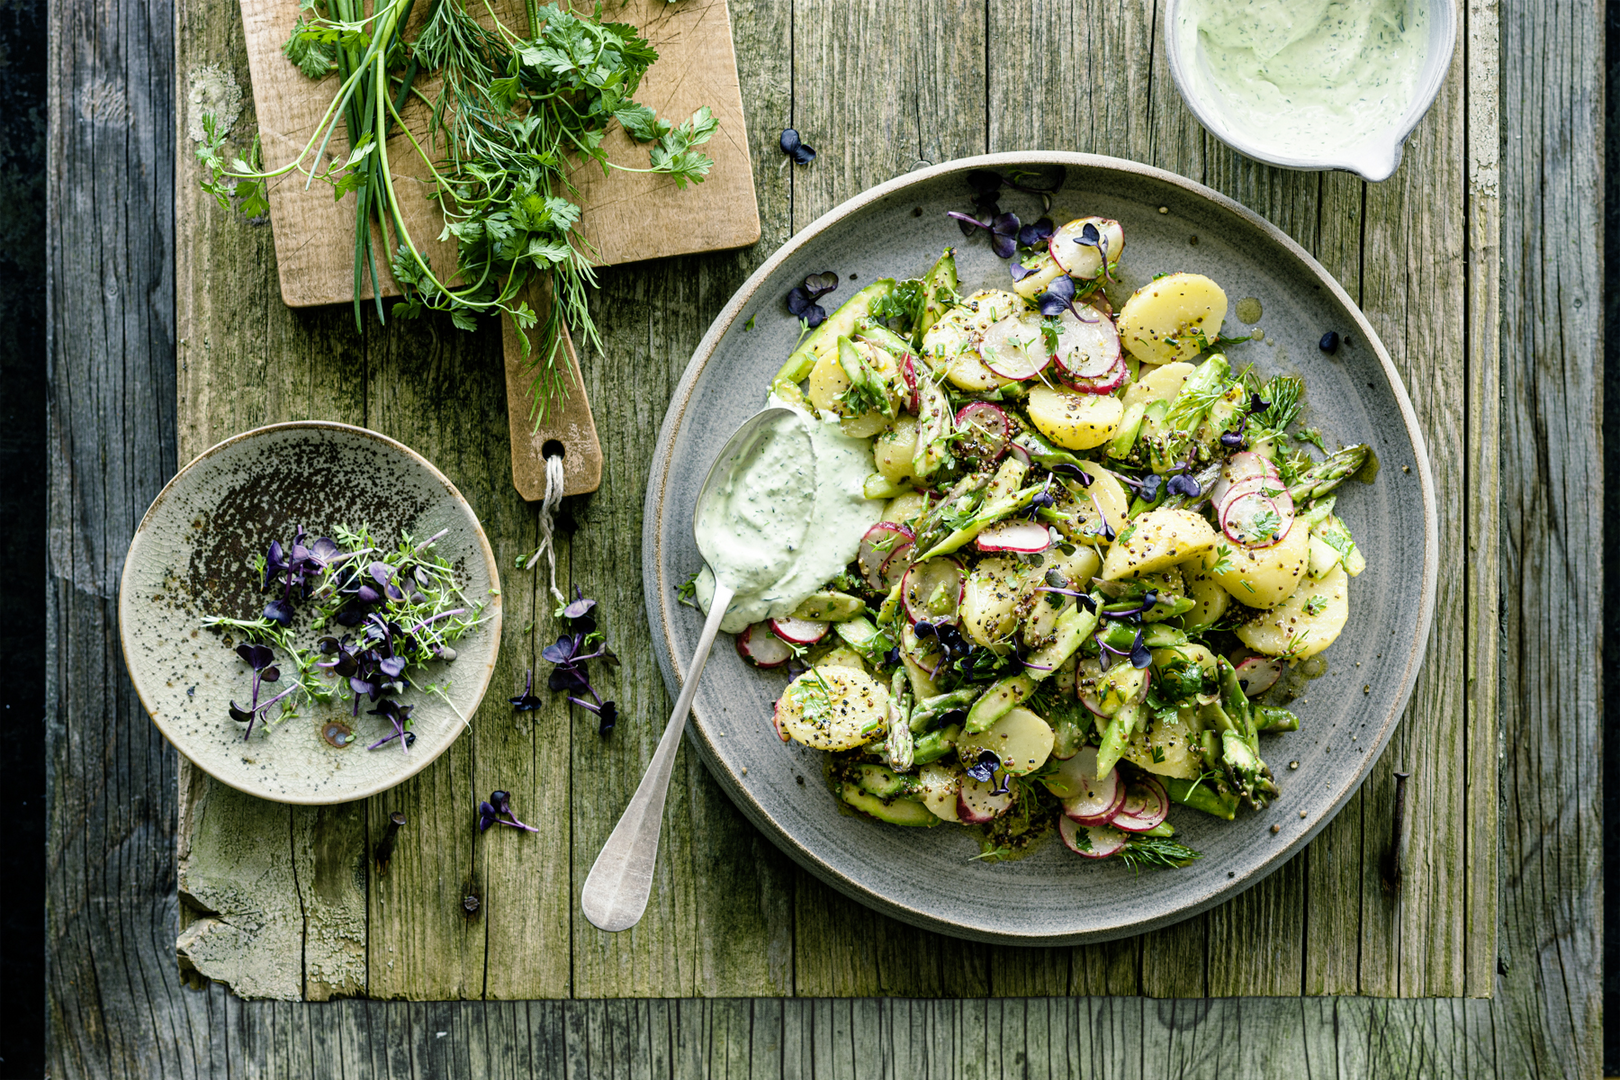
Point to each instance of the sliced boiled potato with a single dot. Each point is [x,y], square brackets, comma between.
[1158,323]
[893,450]
[1157,540]
[833,708]
[1021,740]
[827,381]
[940,783]
[951,346]
[1086,507]
[1304,624]
[1072,419]
[1041,275]
[990,600]
[1079,568]
[1168,747]
[1161,383]
[897,811]
[1209,598]
[906,508]
[1261,577]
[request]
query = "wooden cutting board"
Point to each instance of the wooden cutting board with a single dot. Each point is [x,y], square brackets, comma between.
[627,216]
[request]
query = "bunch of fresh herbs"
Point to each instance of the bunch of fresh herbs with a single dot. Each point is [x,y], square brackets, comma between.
[512,115]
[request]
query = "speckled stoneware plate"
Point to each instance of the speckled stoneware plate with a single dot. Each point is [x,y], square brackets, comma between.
[928,876]
[190,558]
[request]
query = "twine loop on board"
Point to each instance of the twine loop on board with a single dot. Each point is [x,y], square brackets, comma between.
[548,508]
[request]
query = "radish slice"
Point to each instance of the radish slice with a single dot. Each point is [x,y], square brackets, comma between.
[1023,536]
[1146,806]
[1096,842]
[1014,348]
[978,802]
[1245,465]
[932,590]
[1254,521]
[1087,350]
[895,566]
[799,631]
[1085,260]
[1258,674]
[908,375]
[1269,487]
[1085,680]
[1075,774]
[986,430]
[760,647]
[881,543]
[1103,384]
[1097,798]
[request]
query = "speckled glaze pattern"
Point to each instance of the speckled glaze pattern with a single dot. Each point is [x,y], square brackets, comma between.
[928,876]
[190,558]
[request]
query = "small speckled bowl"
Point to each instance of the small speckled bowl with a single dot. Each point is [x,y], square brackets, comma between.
[1374,160]
[190,558]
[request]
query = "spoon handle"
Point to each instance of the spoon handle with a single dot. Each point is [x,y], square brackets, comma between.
[616,890]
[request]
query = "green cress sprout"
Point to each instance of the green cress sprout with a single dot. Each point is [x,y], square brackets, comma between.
[396,614]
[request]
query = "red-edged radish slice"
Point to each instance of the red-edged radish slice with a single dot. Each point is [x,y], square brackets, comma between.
[1076,773]
[880,544]
[978,802]
[1014,450]
[1258,674]
[1096,842]
[799,631]
[984,429]
[1096,798]
[894,568]
[1087,350]
[1015,347]
[1244,465]
[1104,384]
[1254,521]
[1085,260]
[762,648]
[776,723]
[1146,806]
[932,590]
[1027,537]
[1269,487]
[908,375]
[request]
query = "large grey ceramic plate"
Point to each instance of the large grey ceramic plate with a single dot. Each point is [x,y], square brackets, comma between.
[189,558]
[928,877]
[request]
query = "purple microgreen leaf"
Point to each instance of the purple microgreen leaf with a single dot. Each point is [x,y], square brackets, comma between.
[1037,234]
[270,674]
[486,816]
[1184,485]
[279,611]
[393,667]
[578,608]
[1018,270]
[795,148]
[817,285]
[984,769]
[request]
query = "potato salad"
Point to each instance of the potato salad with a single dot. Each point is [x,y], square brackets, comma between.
[1107,556]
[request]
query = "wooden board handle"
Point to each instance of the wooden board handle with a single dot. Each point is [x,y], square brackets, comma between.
[568,425]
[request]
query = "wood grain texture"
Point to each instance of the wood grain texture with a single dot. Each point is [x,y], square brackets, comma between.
[314,233]
[117,1005]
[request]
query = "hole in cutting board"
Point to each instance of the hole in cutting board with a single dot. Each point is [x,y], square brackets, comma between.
[552,448]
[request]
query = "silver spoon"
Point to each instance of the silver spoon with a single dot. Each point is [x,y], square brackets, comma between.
[616,890]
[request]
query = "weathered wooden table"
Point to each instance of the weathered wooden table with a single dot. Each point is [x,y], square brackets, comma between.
[153,361]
